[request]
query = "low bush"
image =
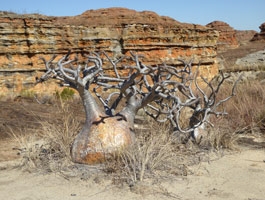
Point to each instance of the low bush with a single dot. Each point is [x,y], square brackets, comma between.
[65,94]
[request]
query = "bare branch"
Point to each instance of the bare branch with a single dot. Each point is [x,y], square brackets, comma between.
[114,63]
[164,92]
[48,64]
[233,93]
[65,71]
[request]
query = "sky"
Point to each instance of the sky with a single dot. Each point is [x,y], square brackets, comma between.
[239,14]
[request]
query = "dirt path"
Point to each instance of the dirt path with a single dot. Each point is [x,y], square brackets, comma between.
[237,176]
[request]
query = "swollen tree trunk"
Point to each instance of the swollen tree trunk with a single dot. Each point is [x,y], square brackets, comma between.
[101,134]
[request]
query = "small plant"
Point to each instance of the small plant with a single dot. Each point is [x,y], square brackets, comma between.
[66,94]
[219,137]
[61,137]
[27,145]
[25,93]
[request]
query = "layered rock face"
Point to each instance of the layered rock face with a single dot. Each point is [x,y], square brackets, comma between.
[261,34]
[25,38]
[227,38]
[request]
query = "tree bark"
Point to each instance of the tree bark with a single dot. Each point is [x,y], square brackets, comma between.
[101,134]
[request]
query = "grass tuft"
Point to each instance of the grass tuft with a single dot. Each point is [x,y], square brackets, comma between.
[65,94]
[48,149]
[156,151]
[246,111]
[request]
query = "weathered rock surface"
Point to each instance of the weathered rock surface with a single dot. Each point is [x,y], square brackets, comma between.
[252,66]
[261,34]
[254,61]
[25,38]
[227,38]
[248,59]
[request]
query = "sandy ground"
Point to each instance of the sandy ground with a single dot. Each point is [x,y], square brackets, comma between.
[239,175]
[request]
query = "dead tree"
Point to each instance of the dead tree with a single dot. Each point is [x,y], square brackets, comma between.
[162,91]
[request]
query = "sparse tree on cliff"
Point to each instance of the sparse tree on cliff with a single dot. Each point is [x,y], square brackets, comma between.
[162,91]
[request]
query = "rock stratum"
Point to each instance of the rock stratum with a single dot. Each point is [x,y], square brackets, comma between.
[229,37]
[25,38]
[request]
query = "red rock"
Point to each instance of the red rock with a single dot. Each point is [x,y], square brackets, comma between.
[227,38]
[25,38]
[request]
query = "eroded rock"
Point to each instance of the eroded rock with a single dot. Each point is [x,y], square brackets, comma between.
[227,39]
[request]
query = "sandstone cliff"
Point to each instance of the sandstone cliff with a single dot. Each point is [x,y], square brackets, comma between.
[227,37]
[247,56]
[24,38]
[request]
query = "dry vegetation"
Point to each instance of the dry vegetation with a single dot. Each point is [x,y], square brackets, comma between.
[47,148]
[156,153]
[246,110]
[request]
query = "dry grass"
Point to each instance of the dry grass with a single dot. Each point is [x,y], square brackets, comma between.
[220,137]
[48,148]
[246,110]
[246,114]
[156,152]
